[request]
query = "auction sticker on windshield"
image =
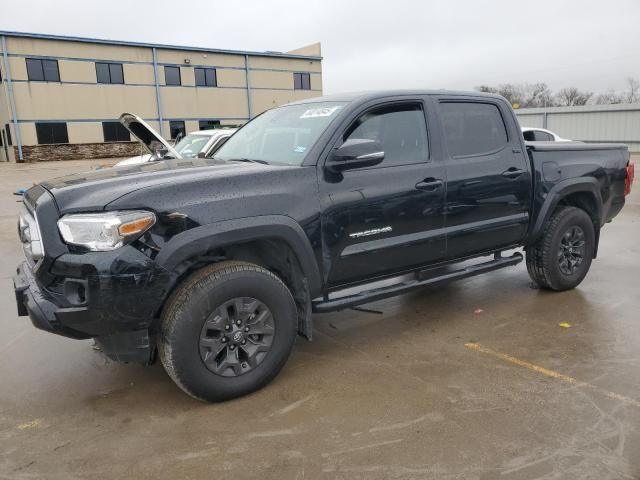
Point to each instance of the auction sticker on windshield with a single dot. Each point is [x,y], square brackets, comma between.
[320,112]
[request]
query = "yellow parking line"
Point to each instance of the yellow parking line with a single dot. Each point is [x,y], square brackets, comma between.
[549,373]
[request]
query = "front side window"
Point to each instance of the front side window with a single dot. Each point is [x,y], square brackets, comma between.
[109,73]
[52,132]
[206,77]
[115,132]
[172,76]
[400,129]
[42,70]
[301,81]
[472,128]
[176,127]
[281,136]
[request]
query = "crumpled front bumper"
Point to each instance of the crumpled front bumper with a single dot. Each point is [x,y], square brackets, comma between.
[117,311]
[44,314]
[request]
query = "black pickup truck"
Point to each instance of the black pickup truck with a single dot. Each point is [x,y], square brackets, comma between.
[218,264]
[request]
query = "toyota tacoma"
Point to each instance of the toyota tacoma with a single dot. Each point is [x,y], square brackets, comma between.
[216,265]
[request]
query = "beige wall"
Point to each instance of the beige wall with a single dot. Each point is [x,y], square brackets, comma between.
[285,64]
[177,57]
[74,71]
[204,102]
[60,48]
[262,100]
[78,98]
[140,74]
[55,101]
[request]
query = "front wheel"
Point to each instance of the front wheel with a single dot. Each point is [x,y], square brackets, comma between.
[227,330]
[561,258]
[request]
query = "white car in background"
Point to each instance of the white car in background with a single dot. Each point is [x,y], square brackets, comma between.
[201,144]
[532,134]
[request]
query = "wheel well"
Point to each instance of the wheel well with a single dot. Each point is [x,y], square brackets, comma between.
[274,254]
[585,201]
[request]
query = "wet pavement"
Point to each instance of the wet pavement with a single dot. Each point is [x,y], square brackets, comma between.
[481,379]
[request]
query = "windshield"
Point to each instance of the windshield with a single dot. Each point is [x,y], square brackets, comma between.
[281,136]
[191,145]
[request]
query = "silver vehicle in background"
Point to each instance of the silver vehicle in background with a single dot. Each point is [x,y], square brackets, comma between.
[201,144]
[534,134]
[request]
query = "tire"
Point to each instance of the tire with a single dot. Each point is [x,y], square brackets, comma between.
[198,359]
[567,238]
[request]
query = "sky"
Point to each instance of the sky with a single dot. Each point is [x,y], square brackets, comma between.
[376,44]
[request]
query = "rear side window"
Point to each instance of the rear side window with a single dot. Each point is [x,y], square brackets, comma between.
[472,128]
[400,129]
[542,136]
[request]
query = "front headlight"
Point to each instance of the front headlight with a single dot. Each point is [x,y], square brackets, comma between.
[104,231]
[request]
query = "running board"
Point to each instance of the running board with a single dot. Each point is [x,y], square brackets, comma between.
[323,306]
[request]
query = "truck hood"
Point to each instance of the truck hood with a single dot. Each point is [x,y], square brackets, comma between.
[93,191]
[146,135]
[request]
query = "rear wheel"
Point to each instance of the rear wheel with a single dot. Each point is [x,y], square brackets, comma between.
[227,330]
[561,258]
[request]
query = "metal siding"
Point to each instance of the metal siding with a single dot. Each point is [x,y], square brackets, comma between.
[531,120]
[597,123]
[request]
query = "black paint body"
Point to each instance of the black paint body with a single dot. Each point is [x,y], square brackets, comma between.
[202,205]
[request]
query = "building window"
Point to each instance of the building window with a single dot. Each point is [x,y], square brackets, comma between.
[52,132]
[42,70]
[208,124]
[172,76]
[176,127]
[206,77]
[301,81]
[109,73]
[115,132]
[8,136]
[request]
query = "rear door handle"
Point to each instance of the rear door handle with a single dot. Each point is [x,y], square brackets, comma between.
[429,184]
[513,172]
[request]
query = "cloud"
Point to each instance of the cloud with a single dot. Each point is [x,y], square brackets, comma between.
[371,44]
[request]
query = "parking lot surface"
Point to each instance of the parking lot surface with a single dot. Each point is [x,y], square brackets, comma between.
[485,378]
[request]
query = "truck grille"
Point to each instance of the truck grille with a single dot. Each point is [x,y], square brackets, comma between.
[30,237]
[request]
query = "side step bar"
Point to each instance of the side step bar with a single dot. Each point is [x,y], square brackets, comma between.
[323,306]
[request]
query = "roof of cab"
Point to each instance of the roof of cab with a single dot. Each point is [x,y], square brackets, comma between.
[372,95]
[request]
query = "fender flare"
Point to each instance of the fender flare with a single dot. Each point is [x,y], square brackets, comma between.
[557,193]
[204,238]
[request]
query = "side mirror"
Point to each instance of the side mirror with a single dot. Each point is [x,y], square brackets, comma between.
[201,155]
[355,153]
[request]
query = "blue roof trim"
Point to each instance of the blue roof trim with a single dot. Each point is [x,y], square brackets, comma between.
[45,36]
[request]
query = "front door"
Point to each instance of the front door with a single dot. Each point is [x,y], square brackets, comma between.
[488,177]
[387,218]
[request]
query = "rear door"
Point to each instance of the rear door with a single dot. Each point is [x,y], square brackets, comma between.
[488,176]
[389,217]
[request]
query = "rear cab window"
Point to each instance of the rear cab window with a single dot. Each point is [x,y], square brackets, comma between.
[472,128]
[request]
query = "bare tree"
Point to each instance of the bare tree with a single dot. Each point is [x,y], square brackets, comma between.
[536,95]
[608,98]
[570,97]
[512,92]
[632,94]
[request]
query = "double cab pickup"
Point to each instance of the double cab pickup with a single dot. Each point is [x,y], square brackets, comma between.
[216,265]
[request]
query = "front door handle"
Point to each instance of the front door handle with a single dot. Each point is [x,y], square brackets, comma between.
[429,184]
[513,172]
